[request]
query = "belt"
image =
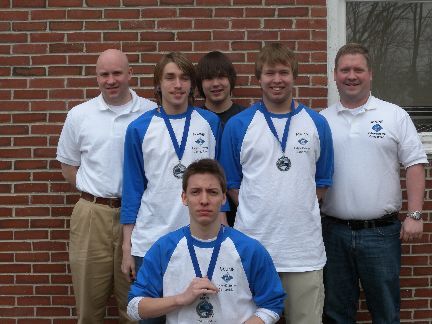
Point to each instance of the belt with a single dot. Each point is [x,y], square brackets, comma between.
[356,225]
[112,202]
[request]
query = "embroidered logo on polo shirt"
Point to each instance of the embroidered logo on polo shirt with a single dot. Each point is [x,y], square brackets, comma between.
[303,140]
[199,143]
[377,129]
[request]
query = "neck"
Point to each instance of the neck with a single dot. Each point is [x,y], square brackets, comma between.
[120,101]
[218,107]
[205,232]
[174,110]
[279,108]
[353,103]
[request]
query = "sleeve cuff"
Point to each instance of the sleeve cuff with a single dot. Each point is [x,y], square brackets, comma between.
[267,316]
[132,308]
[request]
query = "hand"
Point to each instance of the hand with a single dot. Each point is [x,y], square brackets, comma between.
[411,229]
[197,287]
[128,266]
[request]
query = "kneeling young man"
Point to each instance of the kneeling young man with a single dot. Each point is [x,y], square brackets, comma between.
[206,272]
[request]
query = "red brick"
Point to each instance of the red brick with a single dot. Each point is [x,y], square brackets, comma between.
[14,60]
[176,2]
[192,36]
[13,83]
[48,15]
[61,279]
[13,15]
[66,48]
[157,36]
[59,235]
[5,212]
[30,94]
[44,152]
[245,45]
[46,129]
[29,118]
[120,36]
[30,187]
[228,12]
[32,211]
[295,35]
[48,246]
[28,4]
[84,37]
[211,23]
[64,70]
[64,300]
[49,59]
[175,46]
[121,13]
[102,3]
[251,2]
[65,3]
[195,12]
[51,290]
[97,48]
[65,25]
[174,24]
[66,94]
[311,24]
[14,130]
[15,176]
[213,3]
[260,12]
[17,268]
[15,153]
[5,188]
[293,12]
[53,311]
[33,300]
[30,235]
[13,38]
[158,13]
[29,71]
[28,26]
[84,13]
[30,141]
[44,200]
[17,311]
[101,25]
[137,24]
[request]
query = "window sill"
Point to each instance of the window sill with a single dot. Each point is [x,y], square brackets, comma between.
[426,138]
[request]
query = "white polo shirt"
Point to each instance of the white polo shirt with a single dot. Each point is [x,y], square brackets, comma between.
[368,150]
[93,138]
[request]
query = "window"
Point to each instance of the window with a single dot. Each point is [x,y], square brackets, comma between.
[398,35]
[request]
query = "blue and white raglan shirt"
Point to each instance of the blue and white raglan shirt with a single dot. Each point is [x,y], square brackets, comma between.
[280,208]
[244,273]
[151,193]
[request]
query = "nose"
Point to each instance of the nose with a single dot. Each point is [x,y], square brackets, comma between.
[177,83]
[110,79]
[351,74]
[204,198]
[277,77]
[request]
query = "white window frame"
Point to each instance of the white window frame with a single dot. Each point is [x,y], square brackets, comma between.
[336,37]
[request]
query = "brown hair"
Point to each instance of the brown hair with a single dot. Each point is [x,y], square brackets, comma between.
[184,64]
[273,54]
[353,48]
[203,166]
[212,65]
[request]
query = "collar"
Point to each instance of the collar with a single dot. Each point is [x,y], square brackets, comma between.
[369,105]
[104,106]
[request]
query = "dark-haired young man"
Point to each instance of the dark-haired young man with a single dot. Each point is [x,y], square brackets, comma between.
[159,145]
[206,272]
[216,79]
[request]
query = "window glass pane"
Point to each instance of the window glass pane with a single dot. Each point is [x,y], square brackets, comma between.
[399,37]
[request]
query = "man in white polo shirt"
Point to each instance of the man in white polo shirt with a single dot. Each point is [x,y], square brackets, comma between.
[90,150]
[361,228]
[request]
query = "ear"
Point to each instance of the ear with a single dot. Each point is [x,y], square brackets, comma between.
[130,73]
[184,198]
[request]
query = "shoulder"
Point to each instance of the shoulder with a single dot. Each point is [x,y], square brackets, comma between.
[318,119]
[244,243]
[243,118]
[85,107]
[385,107]
[328,111]
[168,242]
[143,120]
[146,104]
[207,114]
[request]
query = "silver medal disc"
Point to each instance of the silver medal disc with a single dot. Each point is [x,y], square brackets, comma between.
[178,170]
[283,163]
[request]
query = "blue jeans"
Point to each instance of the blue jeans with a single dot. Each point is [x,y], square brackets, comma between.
[371,256]
[156,320]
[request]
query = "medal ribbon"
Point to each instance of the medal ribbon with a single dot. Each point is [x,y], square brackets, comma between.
[213,258]
[270,124]
[178,149]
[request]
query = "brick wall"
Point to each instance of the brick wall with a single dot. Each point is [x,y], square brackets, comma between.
[48,49]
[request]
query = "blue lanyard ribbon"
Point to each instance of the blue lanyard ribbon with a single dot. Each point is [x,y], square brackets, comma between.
[178,149]
[214,255]
[270,124]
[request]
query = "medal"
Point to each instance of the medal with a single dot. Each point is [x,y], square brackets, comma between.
[178,169]
[283,163]
[204,308]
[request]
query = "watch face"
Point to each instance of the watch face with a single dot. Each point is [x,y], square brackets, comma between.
[415,215]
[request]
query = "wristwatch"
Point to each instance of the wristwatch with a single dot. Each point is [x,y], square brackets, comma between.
[417,215]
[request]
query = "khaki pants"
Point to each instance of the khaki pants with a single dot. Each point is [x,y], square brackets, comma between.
[95,255]
[305,296]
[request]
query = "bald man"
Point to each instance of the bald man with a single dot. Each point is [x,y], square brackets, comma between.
[90,151]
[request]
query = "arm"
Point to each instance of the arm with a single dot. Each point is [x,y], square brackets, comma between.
[320,192]
[415,184]
[254,320]
[69,172]
[234,194]
[128,261]
[154,307]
